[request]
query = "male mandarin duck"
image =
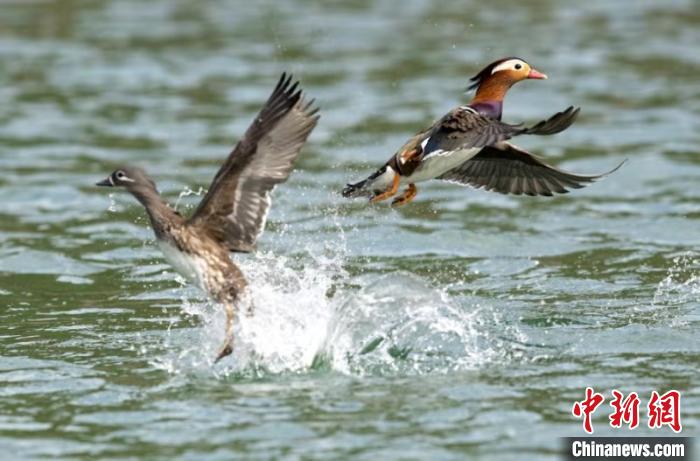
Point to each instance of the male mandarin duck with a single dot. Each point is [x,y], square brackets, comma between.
[468,146]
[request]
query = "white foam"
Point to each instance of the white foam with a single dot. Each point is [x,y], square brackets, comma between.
[309,313]
[682,281]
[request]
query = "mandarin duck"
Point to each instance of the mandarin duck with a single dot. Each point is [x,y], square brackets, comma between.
[232,214]
[468,146]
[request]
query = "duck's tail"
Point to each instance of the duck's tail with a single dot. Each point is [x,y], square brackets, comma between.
[356,190]
[370,186]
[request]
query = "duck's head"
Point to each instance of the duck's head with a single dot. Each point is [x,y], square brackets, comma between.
[129,177]
[494,80]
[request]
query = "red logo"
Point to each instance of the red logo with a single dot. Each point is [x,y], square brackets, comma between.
[626,411]
[586,407]
[665,410]
[662,410]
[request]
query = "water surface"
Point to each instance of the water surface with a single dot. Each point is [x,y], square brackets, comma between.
[461,326]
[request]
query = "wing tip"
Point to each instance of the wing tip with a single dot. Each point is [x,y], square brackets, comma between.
[309,108]
[616,168]
[293,96]
[584,181]
[600,176]
[286,96]
[286,90]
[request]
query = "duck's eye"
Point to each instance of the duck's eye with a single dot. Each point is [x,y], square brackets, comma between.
[120,174]
[518,66]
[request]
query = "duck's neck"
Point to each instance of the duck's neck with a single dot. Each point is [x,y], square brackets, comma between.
[488,99]
[159,212]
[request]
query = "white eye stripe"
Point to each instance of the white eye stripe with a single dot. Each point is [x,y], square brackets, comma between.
[121,177]
[509,64]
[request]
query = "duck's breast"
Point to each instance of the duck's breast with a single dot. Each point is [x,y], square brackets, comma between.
[190,266]
[438,162]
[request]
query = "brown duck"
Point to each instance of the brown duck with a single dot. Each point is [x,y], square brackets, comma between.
[232,214]
[468,146]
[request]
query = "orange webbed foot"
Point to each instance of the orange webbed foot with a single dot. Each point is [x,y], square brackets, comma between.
[405,198]
[389,192]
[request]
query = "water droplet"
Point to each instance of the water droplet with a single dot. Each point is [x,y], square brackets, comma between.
[112,208]
[186,192]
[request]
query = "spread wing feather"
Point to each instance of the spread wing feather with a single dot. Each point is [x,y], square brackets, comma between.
[508,169]
[235,208]
[464,128]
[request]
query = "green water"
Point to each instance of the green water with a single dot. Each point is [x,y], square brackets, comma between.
[463,326]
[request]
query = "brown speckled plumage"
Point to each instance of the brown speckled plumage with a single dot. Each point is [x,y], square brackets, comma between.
[231,216]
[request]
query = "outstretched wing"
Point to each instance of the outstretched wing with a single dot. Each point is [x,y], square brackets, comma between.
[465,128]
[235,208]
[508,169]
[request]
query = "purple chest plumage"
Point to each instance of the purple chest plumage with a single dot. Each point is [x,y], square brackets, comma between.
[492,109]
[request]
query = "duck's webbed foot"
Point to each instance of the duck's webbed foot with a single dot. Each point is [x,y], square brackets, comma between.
[227,347]
[408,195]
[390,192]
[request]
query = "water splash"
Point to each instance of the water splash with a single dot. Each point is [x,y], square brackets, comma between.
[397,323]
[682,281]
[112,208]
[291,310]
[310,314]
[186,192]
